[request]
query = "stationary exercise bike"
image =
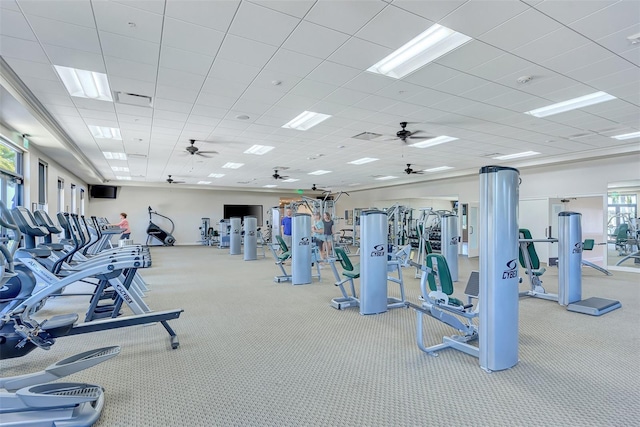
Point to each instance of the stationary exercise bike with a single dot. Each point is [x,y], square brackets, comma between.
[154,231]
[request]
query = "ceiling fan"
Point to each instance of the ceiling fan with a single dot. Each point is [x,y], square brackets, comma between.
[404,134]
[276,175]
[409,171]
[173,181]
[315,188]
[192,149]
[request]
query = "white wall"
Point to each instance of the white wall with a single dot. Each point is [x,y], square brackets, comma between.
[183,205]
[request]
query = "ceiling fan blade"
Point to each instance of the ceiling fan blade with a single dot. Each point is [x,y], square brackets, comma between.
[199,153]
[207,152]
[421,137]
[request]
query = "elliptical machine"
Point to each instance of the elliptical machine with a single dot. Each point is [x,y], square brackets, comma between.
[154,231]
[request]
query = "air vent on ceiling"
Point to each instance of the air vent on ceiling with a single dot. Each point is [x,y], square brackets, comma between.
[367,136]
[133,99]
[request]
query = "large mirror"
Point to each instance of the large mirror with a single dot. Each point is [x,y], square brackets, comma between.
[623,226]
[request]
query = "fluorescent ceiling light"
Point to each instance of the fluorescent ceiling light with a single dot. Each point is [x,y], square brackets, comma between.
[105,132]
[517,155]
[384,178]
[362,161]
[290,180]
[85,84]
[571,104]
[319,172]
[435,42]
[306,120]
[216,175]
[355,183]
[433,141]
[114,156]
[204,182]
[123,178]
[119,169]
[231,165]
[270,186]
[439,169]
[259,150]
[627,136]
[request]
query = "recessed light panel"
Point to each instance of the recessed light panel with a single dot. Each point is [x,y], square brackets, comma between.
[571,104]
[259,150]
[290,180]
[119,169]
[435,42]
[270,186]
[433,141]
[84,83]
[306,120]
[114,156]
[362,161]
[204,182]
[102,132]
[627,136]
[231,165]
[385,178]
[123,178]
[216,175]
[319,172]
[517,155]
[439,169]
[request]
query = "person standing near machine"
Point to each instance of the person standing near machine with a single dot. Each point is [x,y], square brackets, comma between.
[317,228]
[285,227]
[328,234]
[124,224]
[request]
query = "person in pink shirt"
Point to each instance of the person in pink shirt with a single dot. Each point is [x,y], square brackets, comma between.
[124,224]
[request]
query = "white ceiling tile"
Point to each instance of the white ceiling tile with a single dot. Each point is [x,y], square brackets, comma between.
[127,21]
[568,11]
[629,92]
[332,73]
[345,96]
[524,28]
[168,124]
[430,75]
[296,102]
[130,69]
[400,90]
[13,24]
[470,55]
[32,69]
[233,71]
[375,103]
[249,22]
[551,45]
[73,12]
[580,57]
[155,6]
[487,91]
[250,107]
[632,55]
[128,120]
[298,8]
[194,38]
[134,110]
[10,5]
[618,42]
[171,105]
[22,49]
[607,81]
[262,95]
[328,108]
[393,27]
[211,14]
[223,88]
[314,40]
[209,99]
[459,84]
[434,10]
[99,118]
[176,94]
[477,17]
[92,104]
[275,81]
[235,49]
[369,82]
[502,66]
[213,112]
[609,20]
[66,35]
[612,64]
[189,62]
[38,85]
[129,48]
[313,89]
[180,79]
[293,63]
[359,54]
[513,97]
[75,58]
[346,16]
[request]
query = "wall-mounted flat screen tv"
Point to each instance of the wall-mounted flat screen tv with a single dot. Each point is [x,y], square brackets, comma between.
[244,210]
[103,191]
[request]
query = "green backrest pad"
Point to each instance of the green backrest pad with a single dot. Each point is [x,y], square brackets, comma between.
[588,245]
[622,233]
[439,263]
[533,256]
[427,247]
[282,243]
[345,262]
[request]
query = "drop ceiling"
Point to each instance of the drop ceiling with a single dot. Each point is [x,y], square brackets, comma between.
[230,74]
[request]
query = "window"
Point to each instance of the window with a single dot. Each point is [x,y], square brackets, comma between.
[60,195]
[42,183]
[82,201]
[10,174]
[74,195]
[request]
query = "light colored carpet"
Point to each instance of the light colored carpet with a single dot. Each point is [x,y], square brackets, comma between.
[258,353]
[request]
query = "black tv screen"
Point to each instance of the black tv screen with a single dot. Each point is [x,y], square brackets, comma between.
[244,210]
[103,191]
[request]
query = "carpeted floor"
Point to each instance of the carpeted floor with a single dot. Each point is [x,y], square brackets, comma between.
[258,353]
